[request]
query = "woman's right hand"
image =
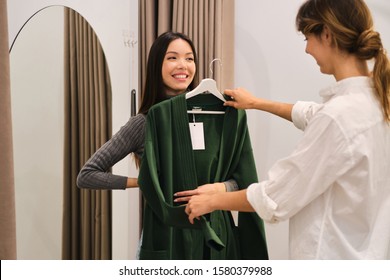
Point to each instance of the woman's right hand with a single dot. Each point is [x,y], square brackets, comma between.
[241,99]
[185,196]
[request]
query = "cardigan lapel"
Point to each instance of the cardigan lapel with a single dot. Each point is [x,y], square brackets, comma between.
[227,145]
[181,132]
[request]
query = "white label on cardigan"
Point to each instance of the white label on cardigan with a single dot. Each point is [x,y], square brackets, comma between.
[197,136]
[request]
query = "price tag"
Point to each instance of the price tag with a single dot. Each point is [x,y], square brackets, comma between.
[197,136]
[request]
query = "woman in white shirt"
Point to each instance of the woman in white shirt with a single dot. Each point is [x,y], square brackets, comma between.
[335,186]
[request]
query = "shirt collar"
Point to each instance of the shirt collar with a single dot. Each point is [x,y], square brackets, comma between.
[341,87]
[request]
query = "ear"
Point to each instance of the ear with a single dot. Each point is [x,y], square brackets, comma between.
[327,35]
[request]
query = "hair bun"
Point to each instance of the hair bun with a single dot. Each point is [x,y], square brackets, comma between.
[368,44]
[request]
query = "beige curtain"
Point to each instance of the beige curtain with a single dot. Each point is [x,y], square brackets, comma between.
[7,190]
[154,19]
[87,213]
[209,23]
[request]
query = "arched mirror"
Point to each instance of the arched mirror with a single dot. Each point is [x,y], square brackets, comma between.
[38,116]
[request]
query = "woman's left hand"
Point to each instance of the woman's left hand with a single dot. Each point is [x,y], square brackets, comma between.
[185,196]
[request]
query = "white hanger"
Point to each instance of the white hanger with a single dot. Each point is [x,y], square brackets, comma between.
[207,85]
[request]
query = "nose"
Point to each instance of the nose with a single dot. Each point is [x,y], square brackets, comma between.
[307,50]
[182,64]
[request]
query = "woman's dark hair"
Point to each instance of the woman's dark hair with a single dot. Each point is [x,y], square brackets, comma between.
[154,90]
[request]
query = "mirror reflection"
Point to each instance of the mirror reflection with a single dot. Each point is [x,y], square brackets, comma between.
[37,96]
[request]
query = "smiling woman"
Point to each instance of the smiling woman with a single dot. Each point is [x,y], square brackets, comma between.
[178,67]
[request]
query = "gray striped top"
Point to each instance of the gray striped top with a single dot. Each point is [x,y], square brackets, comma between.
[129,139]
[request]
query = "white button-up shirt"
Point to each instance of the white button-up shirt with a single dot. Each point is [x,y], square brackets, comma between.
[335,186]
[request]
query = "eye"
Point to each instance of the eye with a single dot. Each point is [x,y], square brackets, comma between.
[304,36]
[190,59]
[171,57]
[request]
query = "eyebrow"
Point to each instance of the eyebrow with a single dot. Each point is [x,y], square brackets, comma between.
[178,53]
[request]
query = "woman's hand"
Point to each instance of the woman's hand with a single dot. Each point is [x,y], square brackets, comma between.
[185,196]
[241,99]
[199,205]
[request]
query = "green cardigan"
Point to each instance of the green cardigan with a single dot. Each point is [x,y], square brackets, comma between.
[169,165]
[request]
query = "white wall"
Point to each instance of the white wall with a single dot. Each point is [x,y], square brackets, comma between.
[272,63]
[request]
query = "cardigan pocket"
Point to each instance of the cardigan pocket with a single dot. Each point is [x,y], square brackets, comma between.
[153,255]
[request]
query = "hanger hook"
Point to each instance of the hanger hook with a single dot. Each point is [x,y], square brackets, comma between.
[211,65]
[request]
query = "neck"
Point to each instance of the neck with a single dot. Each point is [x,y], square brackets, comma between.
[350,66]
[171,92]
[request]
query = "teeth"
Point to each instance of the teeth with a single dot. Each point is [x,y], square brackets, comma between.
[180,76]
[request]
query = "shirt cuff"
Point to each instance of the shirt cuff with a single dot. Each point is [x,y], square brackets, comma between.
[231,185]
[297,115]
[302,112]
[264,206]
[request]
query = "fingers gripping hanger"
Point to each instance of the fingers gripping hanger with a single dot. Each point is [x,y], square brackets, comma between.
[207,85]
